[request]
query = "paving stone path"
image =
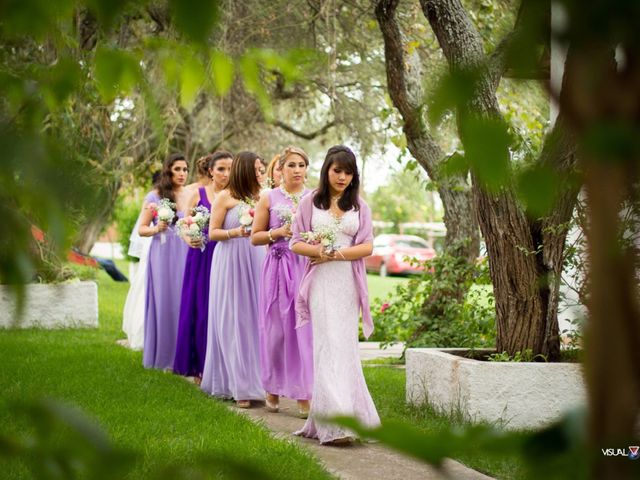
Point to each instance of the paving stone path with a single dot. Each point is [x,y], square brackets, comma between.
[363,461]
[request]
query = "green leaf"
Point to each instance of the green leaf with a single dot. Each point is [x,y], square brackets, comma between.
[36,18]
[538,189]
[251,76]
[192,77]
[194,18]
[455,164]
[486,142]
[612,141]
[117,72]
[106,11]
[222,69]
[453,91]
[60,81]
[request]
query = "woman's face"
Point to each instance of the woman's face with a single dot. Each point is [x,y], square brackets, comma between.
[179,172]
[220,172]
[339,179]
[261,171]
[277,176]
[294,170]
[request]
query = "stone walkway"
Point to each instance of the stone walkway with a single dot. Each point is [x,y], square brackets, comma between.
[362,461]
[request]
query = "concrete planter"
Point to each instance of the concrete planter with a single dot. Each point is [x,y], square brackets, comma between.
[61,305]
[513,395]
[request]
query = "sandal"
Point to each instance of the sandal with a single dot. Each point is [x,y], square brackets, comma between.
[272,407]
[243,404]
[303,409]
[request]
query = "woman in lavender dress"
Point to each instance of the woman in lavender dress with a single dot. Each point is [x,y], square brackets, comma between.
[232,364]
[333,292]
[191,345]
[286,354]
[165,267]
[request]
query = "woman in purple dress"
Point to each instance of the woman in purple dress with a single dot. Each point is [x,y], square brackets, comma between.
[165,267]
[191,345]
[333,293]
[286,354]
[232,364]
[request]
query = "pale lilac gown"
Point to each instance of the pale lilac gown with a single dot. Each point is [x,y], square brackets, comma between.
[232,362]
[286,353]
[165,270]
[339,386]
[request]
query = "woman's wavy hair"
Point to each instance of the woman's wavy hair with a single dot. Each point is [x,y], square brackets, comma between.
[202,166]
[291,150]
[346,159]
[164,185]
[242,178]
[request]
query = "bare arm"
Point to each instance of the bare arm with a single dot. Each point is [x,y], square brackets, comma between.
[260,235]
[355,252]
[146,229]
[221,205]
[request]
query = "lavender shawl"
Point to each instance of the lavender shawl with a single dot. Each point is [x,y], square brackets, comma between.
[302,223]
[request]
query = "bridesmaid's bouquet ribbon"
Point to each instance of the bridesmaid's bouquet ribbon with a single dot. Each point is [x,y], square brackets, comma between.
[195,225]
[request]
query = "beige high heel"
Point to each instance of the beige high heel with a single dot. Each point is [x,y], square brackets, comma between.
[270,405]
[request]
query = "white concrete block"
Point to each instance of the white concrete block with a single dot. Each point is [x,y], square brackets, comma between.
[513,395]
[64,305]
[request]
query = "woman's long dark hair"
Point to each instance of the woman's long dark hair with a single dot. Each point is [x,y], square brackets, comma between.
[346,159]
[164,183]
[215,156]
[242,178]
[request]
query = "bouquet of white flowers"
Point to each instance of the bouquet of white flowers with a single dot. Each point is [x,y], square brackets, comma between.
[163,211]
[326,236]
[246,212]
[195,225]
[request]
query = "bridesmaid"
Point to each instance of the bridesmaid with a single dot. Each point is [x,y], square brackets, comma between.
[232,365]
[203,178]
[191,345]
[285,353]
[333,292]
[274,172]
[165,267]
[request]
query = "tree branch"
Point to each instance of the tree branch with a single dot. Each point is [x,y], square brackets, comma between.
[298,133]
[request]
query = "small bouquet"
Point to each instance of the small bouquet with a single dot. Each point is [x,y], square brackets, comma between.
[246,213]
[195,225]
[285,213]
[163,211]
[326,236]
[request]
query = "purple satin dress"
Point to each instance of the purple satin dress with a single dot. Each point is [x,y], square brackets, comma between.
[165,270]
[286,353]
[191,345]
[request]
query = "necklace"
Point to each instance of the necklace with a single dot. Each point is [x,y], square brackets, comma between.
[294,197]
[336,198]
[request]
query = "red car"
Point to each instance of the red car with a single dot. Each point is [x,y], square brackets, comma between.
[390,254]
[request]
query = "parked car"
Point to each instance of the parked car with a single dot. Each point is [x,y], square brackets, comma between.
[391,254]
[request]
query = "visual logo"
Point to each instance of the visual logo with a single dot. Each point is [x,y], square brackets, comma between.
[633,452]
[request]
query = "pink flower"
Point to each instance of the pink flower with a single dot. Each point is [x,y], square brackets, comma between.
[384,307]
[252,212]
[154,208]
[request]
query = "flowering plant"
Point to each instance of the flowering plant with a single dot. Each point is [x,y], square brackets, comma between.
[195,225]
[326,235]
[246,212]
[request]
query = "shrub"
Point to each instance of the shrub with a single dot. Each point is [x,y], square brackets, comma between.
[126,215]
[450,305]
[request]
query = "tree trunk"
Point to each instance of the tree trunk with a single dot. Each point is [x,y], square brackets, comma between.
[404,79]
[525,276]
[100,216]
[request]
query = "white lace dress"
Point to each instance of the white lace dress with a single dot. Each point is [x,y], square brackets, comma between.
[339,387]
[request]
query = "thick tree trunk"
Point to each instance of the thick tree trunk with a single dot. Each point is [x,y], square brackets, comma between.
[525,276]
[404,79]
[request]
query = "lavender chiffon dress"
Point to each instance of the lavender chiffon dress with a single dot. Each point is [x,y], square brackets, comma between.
[165,270]
[286,353]
[191,344]
[232,364]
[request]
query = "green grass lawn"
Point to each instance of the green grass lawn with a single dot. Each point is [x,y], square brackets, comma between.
[381,287]
[163,418]
[387,387]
